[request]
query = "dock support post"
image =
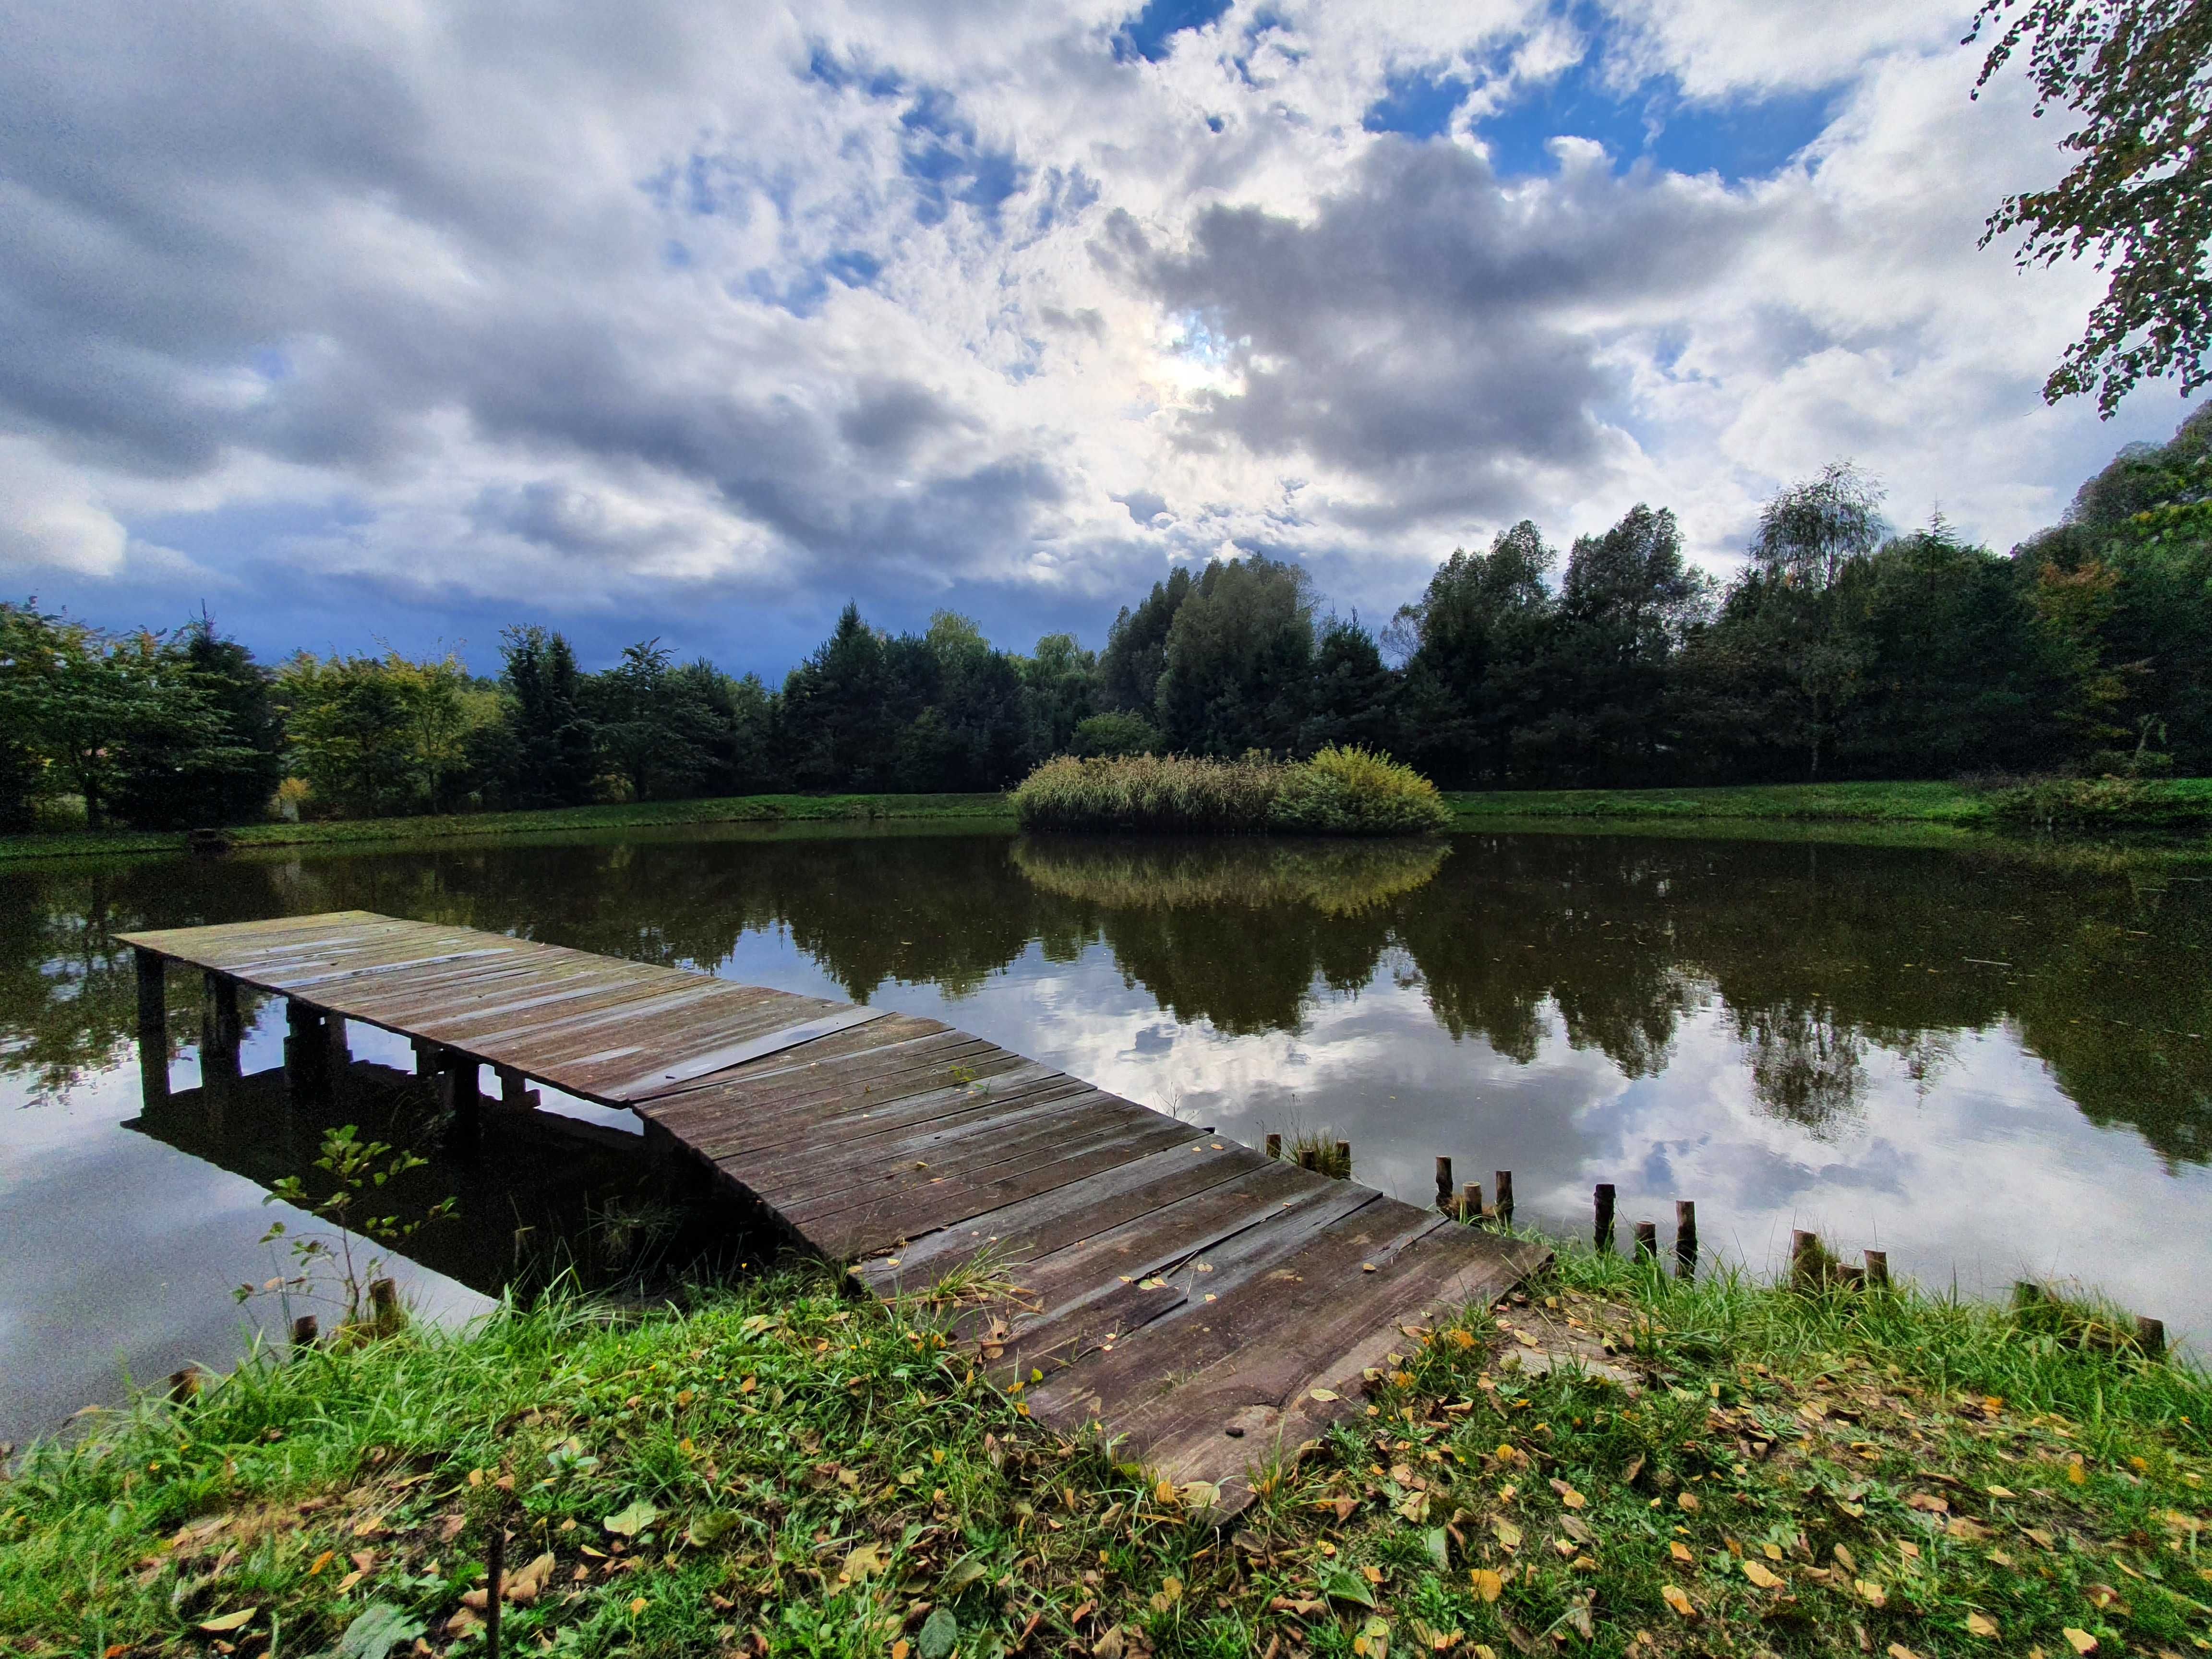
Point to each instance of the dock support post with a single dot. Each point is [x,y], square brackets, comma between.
[334,1044]
[1470,1204]
[1274,1146]
[1877,1270]
[1601,1201]
[153,1030]
[515,1093]
[307,1050]
[224,1029]
[1647,1243]
[2151,1336]
[1686,1239]
[1444,1185]
[1344,1160]
[1504,1178]
[153,994]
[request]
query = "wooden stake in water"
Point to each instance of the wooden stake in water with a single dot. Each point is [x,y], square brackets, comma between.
[1647,1241]
[1686,1239]
[1805,1254]
[1504,1178]
[1877,1270]
[1444,1185]
[1603,1236]
[1274,1146]
[1470,1203]
[153,994]
[2151,1336]
[307,1331]
[1344,1160]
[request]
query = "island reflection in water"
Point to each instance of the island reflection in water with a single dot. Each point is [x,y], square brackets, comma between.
[1989,1060]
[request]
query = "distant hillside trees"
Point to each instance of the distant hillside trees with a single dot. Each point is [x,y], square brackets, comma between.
[1839,650]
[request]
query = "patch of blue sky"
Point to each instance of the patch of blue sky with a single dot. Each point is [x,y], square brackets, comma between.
[802,292]
[272,362]
[1417,104]
[1202,343]
[1150,33]
[823,64]
[947,162]
[1741,139]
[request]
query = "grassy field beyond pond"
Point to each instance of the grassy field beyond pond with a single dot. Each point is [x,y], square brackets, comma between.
[785,1469]
[2180,804]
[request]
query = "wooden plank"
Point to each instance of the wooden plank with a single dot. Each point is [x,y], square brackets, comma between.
[1269,1390]
[1018,1234]
[655,1084]
[859,1232]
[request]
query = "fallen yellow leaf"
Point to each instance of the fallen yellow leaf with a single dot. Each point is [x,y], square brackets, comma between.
[1898,1650]
[1760,1575]
[1978,1626]
[1487,1585]
[1508,1535]
[1688,1501]
[224,1623]
[899,1648]
[1871,1593]
[2079,1640]
[1680,1551]
[1322,1395]
[1678,1600]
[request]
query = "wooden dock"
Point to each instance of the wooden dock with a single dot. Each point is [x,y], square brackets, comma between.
[1204,1304]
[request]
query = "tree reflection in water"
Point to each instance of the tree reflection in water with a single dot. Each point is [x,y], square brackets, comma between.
[1820,955]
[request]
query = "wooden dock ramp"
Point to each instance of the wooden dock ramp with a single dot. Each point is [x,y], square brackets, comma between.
[1206,1305]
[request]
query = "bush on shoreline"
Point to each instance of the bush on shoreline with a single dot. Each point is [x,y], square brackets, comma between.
[1340,792]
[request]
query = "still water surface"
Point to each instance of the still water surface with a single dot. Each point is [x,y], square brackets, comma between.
[1991,1061]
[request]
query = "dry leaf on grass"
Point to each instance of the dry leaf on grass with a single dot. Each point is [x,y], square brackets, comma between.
[1761,1576]
[1978,1625]
[1679,1599]
[1487,1585]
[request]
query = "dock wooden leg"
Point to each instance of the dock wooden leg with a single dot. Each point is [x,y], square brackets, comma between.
[458,1096]
[1504,1178]
[153,994]
[515,1093]
[307,1050]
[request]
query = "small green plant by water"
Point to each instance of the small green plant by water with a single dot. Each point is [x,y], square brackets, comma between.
[326,1263]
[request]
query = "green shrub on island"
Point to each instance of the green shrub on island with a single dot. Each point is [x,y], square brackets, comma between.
[1340,792]
[1337,878]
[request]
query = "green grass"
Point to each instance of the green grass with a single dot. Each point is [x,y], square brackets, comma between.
[2177,804]
[736,809]
[782,1469]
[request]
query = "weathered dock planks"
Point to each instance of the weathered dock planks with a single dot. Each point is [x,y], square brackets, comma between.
[1209,1307]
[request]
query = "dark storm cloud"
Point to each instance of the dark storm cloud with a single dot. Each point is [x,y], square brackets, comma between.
[1430,328]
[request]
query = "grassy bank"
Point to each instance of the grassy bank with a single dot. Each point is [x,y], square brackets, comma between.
[2177,805]
[784,1470]
[736,809]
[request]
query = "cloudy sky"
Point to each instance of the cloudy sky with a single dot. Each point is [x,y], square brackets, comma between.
[363,320]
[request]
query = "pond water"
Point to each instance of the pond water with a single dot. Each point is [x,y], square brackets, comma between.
[1989,1060]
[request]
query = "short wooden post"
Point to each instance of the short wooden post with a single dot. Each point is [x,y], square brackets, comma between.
[153,994]
[1877,1270]
[427,1055]
[307,1331]
[2151,1336]
[1603,1204]
[1805,1255]
[1470,1203]
[184,1384]
[1444,1185]
[338,1050]
[1647,1241]
[515,1092]
[1308,1158]
[1504,1179]
[224,1028]
[1686,1239]
[385,1315]
[1344,1160]
[1274,1146]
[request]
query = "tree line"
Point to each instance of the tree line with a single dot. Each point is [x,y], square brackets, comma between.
[1841,650]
